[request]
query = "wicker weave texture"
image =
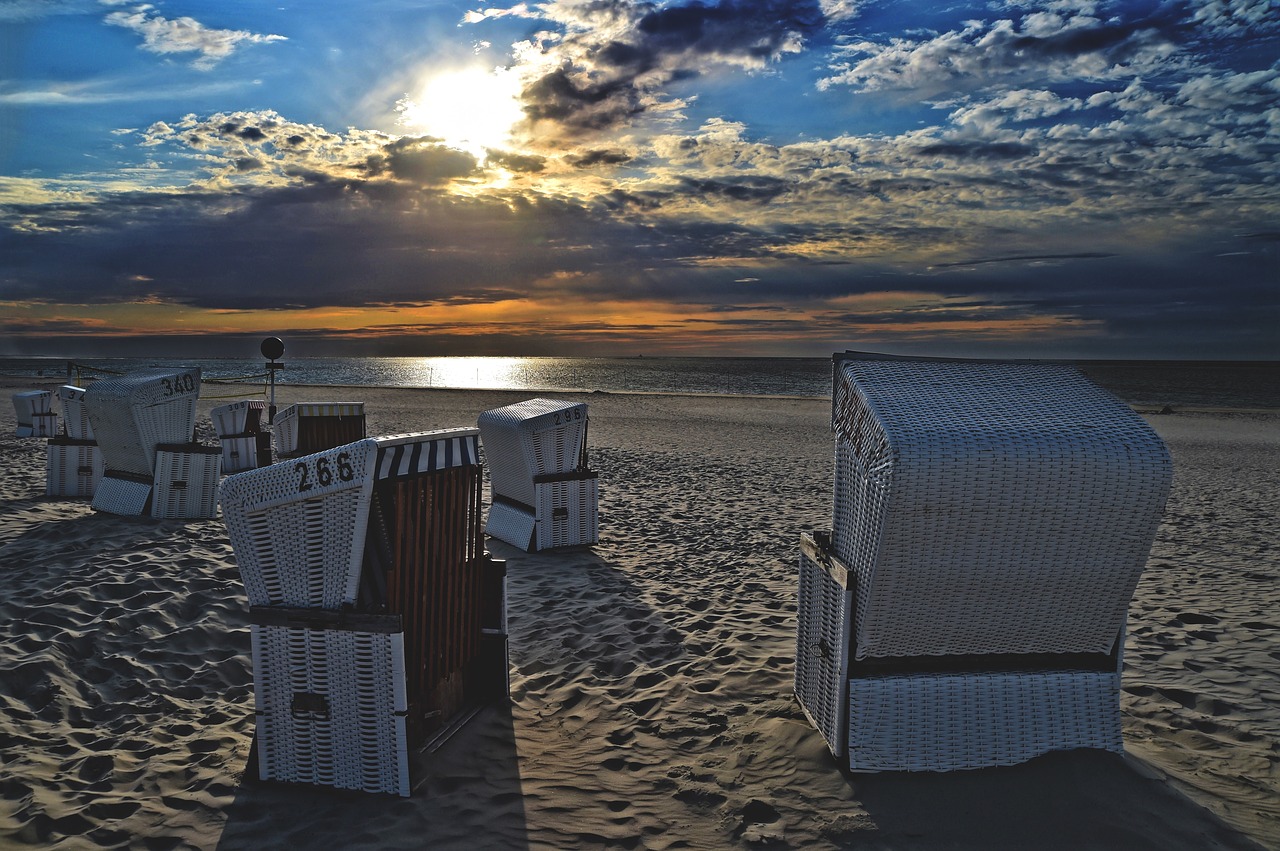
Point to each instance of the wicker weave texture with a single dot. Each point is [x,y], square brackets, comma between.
[822,644]
[126,496]
[536,437]
[186,483]
[72,467]
[330,708]
[132,414]
[75,414]
[948,722]
[990,507]
[568,513]
[298,527]
[241,452]
[512,524]
[243,417]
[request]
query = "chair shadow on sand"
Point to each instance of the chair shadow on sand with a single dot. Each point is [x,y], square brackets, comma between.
[573,618]
[1064,800]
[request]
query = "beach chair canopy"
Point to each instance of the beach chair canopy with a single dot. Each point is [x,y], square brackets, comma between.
[537,437]
[990,507]
[132,414]
[238,418]
[307,427]
[34,413]
[298,528]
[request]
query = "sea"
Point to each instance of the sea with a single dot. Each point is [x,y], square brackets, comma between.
[1158,383]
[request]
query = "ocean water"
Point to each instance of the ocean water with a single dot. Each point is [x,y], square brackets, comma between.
[1145,383]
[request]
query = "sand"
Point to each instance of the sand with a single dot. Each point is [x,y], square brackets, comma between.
[650,675]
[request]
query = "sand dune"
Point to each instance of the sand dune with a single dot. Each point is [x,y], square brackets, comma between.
[651,675]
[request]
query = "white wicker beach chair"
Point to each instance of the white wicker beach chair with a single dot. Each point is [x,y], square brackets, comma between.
[246,444]
[243,417]
[304,428]
[75,413]
[544,496]
[131,415]
[387,525]
[34,413]
[990,524]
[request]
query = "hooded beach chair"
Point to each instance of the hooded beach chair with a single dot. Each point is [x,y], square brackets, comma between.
[990,523]
[308,427]
[245,442]
[34,413]
[378,621]
[544,496]
[144,423]
[73,462]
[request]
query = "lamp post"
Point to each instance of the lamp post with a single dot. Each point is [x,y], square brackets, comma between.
[272,348]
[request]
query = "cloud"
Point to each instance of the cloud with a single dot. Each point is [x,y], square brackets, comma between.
[520,10]
[165,36]
[1043,46]
[613,61]
[1236,17]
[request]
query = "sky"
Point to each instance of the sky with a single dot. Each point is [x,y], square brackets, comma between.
[1051,178]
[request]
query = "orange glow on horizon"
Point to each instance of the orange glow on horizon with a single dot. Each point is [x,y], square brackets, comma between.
[655,325]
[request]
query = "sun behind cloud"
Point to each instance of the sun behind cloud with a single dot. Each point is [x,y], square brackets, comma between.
[470,108]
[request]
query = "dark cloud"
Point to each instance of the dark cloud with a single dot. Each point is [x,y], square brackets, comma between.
[1027,258]
[621,56]
[426,161]
[592,158]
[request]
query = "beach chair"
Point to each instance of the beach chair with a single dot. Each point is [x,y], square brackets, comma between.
[35,414]
[245,442]
[374,544]
[990,523]
[133,416]
[304,428]
[75,414]
[544,496]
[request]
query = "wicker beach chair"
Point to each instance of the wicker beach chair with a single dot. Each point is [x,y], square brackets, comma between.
[544,496]
[75,414]
[34,413]
[990,523]
[304,428]
[245,442]
[132,416]
[379,537]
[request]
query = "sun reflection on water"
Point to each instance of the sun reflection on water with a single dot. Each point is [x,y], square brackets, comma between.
[467,373]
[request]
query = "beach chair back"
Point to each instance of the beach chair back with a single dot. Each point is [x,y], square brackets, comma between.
[239,418]
[75,413]
[538,437]
[34,413]
[308,427]
[133,414]
[990,508]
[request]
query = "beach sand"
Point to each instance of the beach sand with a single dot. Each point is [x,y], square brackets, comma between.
[650,675]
